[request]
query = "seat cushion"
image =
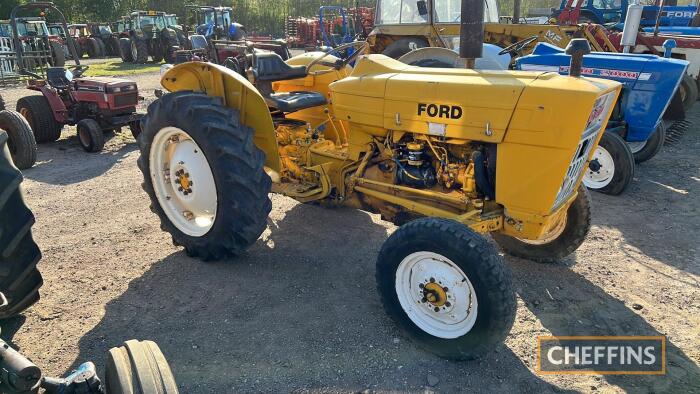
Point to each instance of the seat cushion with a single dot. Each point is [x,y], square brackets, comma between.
[270,67]
[295,101]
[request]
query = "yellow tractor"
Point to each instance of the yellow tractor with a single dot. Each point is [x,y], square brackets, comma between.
[447,154]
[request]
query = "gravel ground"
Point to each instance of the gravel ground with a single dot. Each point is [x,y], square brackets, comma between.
[299,311]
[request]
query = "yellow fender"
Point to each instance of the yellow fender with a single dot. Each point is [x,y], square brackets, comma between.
[237,93]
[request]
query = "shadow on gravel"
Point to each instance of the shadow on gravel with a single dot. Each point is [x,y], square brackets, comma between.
[578,307]
[64,162]
[298,311]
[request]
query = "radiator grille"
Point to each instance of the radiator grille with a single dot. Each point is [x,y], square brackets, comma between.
[585,146]
[126,100]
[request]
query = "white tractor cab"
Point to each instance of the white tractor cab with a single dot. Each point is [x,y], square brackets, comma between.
[423,33]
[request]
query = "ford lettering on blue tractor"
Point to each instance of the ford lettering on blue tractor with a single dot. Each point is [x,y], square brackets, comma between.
[636,131]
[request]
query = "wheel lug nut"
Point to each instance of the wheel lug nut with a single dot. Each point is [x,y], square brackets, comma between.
[432,280]
[445,289]
[421,285]
[448,304]
[424,300]
[436,309]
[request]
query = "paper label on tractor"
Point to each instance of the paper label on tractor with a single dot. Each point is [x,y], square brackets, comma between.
[437,128]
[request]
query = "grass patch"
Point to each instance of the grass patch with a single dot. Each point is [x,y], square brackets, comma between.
[109,69]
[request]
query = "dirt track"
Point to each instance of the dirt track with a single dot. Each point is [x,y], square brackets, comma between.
[300,311]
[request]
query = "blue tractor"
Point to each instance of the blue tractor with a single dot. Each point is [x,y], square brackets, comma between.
[636,129]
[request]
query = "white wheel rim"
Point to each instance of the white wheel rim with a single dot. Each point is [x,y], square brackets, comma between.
[552,234]
[183,181]
[448,313]
[601,178]
[637,146]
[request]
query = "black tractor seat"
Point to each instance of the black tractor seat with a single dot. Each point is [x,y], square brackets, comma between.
[56,77]
[269,67]
[295,101]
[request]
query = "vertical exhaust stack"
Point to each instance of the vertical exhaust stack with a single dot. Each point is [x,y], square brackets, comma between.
[471,31]
[576,49]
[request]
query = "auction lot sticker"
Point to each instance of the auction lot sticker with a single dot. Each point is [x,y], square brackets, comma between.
[621,355]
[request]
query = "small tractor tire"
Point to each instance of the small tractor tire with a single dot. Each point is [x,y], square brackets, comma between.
[689,92]
[139,51]
[138,367]
[651,146]
[235,168]
[614,166]
[456,272]
[21,142]
[58,57]
[93,48]
[20,279]
[37,111]
[125,50]
[90,135]
[566,238]
[402,46]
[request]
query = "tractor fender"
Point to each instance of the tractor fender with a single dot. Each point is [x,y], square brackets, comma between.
[235,92]
[58,107]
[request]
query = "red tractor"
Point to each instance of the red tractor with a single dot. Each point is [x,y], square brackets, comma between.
[94,104]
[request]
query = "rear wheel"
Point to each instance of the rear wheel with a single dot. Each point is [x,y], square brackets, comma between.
[20,280]
[139,51]
[157,52]
[103,47]
[57,55]
[21,141]
[689,91]
[37,111]
[2,103]
[447,287]
[138,367]
[125,50]
[645,150]
[204,175]
[612,167]
[90,135]
[93,48]
[560,241]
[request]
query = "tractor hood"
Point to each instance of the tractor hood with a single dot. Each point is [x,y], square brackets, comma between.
[649,81]
[104,82]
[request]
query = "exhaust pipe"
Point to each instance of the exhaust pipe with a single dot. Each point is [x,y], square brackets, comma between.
[471,31]
[576,49]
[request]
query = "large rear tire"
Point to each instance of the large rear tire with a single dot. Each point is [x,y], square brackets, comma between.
[643,151]
[21,142]
[612,168]
[138,367]
[563,240]
[125,50]
[37,111]
[447,287]
[93,48]
[20,280]
[139,51]
[213,196]
[57,55]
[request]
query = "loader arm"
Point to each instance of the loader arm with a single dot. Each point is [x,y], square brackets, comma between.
[235,92]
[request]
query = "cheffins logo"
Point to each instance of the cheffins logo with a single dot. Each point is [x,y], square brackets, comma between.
[440,110]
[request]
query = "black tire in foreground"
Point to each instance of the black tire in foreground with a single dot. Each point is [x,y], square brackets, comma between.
[37,111]
[125,50]
[420,247]
[402,46]
[21,142]
[139,51]
[20,280]
[565,239]
[236,165]
[90,135]
[652,146]
[612,167]
[689,92]
[138,367]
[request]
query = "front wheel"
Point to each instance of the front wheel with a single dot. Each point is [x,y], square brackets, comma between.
[204,175]
[611,169]
[645,150]
[90,135]
[689,92]
[562,239]
[21,139]
[447,287]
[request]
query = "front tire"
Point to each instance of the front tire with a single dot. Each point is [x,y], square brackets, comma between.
[90,135]
[138,367]
[643,151]
[21,143]
[446,287]
[210,190]
[612,167]
[563,240]
[689,92]
[20,280]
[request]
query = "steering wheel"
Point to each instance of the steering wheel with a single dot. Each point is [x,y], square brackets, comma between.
[78,70]
[516,47]
[359,46]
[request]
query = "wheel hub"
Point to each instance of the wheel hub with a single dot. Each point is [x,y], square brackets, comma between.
[434,294]
[601,169]
[183,178]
